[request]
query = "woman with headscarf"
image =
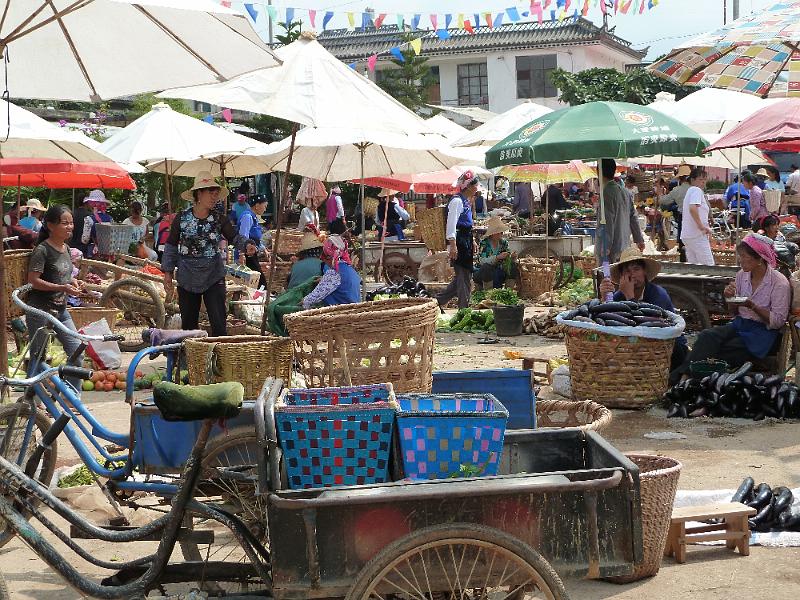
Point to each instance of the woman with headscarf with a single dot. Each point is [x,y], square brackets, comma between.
[340,283]
[334,211]
[494,255]
[754,331]
[97,203]
[784,250]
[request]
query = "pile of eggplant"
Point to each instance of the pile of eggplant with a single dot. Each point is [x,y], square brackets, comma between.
[738,394]
[621,314]
[409,287]
[774,506]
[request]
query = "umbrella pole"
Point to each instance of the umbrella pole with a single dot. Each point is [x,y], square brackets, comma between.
[19,193]
[362,149]
[546,223]
[167,182]
[739,202]
[278,215]
[383,244]
[3,299]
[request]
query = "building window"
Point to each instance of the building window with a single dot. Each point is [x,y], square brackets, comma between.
[533,76]
[203,107]
[434,88]
[473,85]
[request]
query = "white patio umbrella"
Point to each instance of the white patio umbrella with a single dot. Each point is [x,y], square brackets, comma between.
[88,50]
[727,158]
[503,125]
[444,126]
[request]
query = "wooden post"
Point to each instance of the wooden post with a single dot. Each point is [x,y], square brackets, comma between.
[3,308]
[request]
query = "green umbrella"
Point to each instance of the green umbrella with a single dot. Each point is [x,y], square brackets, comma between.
[593,131]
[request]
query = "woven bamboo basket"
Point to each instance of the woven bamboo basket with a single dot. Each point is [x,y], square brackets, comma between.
[617,372]
[589,416]
[658,482]
[235,327]
[411,209]
[537,276]
[85,315]
[248,359]
[366,343]
[724,256]
[281,279]
[16,264]
[288,243]
[430,228]
[664,257]
[370,207]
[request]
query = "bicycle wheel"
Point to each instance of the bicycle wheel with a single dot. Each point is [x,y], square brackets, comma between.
[460,560]
[141,307]
[13,422]
[690,307]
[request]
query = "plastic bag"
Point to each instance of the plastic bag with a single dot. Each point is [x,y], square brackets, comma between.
[651,333]
[562,384]
[105,355]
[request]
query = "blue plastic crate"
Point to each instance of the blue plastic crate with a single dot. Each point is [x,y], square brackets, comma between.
[512,387]
[336,436]
[438,433]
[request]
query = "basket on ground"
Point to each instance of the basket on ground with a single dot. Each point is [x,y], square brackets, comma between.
[114,238]
[280,280]
[446,435]
[234,326]
[724,256]
[430,228]
[336,436]
[658,482]
[85,315]
[537,276]
[589,416]
[288,242]
[364,343]
[248,359]
[16,268]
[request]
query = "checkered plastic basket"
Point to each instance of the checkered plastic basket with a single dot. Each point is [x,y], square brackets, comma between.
[336,436]
[445,435]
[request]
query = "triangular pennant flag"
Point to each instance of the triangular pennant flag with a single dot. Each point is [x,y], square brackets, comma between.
[326,19]
[352,66]
[351,20]
[498,19]
[623,8]
[585,10]
[443,34]
[552,16]
[252,11]
[226,3]
[616,6]
[415,22]
[312,16]
[398,54]
[513,13]
[416,45]
[448,18]
[401,22]
[460,22]
[227,114]
[477,20]
[468,26]
[371,62]
[273,13]
[209,119]
[536,10]
[379,20]
[603,7]
[641,8]
[289,16]
[435,22]
[366,20]
[488,18]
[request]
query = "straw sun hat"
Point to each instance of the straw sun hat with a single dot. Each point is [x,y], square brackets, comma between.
[387,193]
[309,242]
[684,170]
[633,254]
[495,225]
[33,204]
[203,181]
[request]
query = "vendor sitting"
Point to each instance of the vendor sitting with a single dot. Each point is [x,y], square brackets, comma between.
[754,331]
[308,264]
[392,214]
[340,284]
[634,275]
[496,262]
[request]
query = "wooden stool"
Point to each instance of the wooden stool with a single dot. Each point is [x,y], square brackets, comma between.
[733,528]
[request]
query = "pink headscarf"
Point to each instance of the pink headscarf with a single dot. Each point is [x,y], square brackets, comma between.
[335,247]
[762,246]
[466,179]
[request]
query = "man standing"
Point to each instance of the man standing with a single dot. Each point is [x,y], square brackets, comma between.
[758,206]
[460,244]
[793,183]
[522,200]
[621,218]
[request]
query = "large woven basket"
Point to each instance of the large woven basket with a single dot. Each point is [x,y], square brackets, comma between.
[248,359]
[537,276]
[288,243]
[365,343]
[16,266]
[430,228]
[589,416]
[617,372]
[281,279]
[658,482]
[370,207]
[85,315]
[724,256]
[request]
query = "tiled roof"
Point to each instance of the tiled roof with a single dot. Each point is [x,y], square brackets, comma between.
[359,44]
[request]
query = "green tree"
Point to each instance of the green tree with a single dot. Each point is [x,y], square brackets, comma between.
[409,82]
[144,102]
[636,86]
[291,30]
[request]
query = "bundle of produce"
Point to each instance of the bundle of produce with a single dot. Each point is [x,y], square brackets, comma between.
[577,292]
[493,297]
[774,506]
[738,394]
[545,325]
[408,288]
[627,313]
[467,320]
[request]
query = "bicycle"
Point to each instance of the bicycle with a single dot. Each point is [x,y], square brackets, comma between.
[21,496]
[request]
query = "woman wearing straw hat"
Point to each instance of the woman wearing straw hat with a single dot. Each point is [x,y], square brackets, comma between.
[390,210]
[193,247]
[496,262]
[754,331]
[97,203]
[633,275]
[309,264]
[35,211]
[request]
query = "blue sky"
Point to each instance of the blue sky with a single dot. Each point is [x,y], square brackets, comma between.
[662,28]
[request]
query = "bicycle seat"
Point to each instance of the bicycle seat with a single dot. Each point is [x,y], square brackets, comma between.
[197,402]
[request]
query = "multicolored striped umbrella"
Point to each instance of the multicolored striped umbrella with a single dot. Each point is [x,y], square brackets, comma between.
[757,54]
[574,171]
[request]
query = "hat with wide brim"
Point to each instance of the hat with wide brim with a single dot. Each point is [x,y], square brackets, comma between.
[684,170]
[205,180]
[309,242]
[762,171]
[96,196]
[33,204]
[387,193]
[495,225]
[633,254]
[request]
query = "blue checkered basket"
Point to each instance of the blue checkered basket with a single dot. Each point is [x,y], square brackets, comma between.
[446,435]
[336,436]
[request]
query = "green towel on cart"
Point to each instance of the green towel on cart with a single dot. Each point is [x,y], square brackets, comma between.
[288,302]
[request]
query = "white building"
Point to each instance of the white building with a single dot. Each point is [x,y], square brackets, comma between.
[494,68]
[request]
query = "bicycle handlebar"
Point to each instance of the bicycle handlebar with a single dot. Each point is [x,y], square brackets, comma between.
[63,371]
[15,296]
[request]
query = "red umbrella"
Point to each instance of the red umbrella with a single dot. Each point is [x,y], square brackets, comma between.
[434,182]
[779,122]
[20,166]
[65,174]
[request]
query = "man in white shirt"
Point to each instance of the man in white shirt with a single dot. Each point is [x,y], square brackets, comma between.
[793,183]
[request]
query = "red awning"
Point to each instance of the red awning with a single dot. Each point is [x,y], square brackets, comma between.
[64,175]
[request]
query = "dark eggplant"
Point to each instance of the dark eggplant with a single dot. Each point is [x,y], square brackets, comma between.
[583,310]
[773,380]
[615,323]
[769,411]
[699,412]
[600,322]
[747,380]
[763,520]
[762,496]
[654,324]
[783,500]
[648,305]
[592,303]
[609,307]
[673,411]
[789,520]
[650,312]
[571,315]
[631,304]
[621,318]
[742,371]
[682,412]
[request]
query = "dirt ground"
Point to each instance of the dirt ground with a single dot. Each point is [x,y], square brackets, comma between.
[716,454]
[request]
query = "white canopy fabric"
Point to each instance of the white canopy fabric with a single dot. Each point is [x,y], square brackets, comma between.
[25,135]
[503,125]
[164,134]
[89,50]
[313,88]
[444,126]
[235,165]
[335,154]
[727,158]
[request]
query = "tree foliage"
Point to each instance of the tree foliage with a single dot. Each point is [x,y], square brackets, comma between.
[411,78]
[144,102]
[637,86]
[291,32]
